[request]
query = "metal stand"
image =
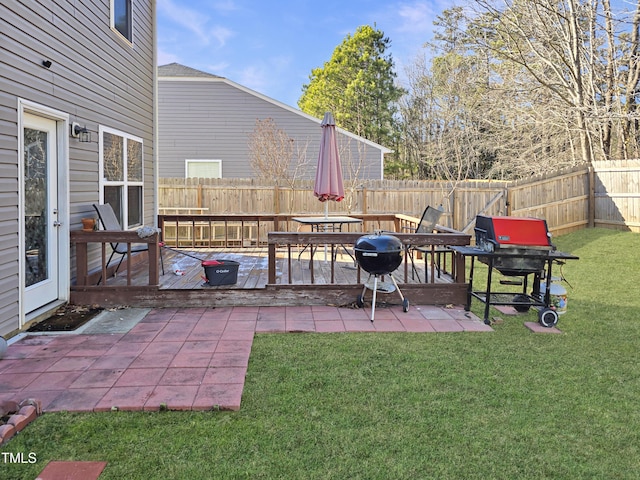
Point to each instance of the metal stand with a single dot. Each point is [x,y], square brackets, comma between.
[360,299]
[547,316]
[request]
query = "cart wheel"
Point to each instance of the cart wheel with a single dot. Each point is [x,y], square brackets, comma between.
[405,305]
[548,317]
[360,301]
[522,299]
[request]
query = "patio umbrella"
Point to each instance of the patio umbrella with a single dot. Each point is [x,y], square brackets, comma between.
[328,184]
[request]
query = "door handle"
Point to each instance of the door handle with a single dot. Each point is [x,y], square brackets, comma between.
[56,223]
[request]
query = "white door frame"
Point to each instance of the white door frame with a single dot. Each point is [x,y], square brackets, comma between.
[64,264]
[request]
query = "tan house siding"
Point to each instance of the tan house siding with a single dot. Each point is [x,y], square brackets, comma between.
[211,118]
[96,78]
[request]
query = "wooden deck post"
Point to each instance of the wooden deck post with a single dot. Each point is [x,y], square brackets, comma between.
[271,272]
[81,264]
[154,258]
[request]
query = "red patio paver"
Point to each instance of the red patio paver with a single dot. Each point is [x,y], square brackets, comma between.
[131,398]
[72,471]
[140,377]
[185,358]
[172,397]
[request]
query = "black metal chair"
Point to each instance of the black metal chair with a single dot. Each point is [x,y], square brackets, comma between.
[109,221]
[427,224]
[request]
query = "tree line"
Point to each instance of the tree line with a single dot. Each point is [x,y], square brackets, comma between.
[505,89]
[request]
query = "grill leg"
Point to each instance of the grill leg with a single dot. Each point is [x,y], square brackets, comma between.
[375,291]
[487,304]
[405,301]
[397,287]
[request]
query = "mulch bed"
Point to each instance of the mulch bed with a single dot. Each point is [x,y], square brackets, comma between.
[67,318]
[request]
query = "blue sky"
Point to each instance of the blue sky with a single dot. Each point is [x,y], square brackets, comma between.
[272,46]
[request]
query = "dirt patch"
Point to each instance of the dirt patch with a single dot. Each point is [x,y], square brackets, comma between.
[67,318]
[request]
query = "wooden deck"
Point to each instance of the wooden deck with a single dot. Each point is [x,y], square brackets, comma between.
[271,272]
[253,289]
[252,271]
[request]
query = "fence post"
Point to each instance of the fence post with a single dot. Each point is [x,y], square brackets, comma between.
[364,200]
[591,209]
[454,220]
[276,199]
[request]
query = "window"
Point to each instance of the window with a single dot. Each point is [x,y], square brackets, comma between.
[121,176]
[203,168]
[121,18]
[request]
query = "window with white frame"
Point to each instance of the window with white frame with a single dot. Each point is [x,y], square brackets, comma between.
[121,20]
[121,179]
[203,168]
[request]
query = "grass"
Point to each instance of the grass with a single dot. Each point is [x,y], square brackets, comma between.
[502,405]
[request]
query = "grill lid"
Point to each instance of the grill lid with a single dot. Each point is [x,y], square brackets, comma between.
[376,244]
[510,231]
[378,254]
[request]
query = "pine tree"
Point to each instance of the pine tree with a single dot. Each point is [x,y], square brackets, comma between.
[357,86]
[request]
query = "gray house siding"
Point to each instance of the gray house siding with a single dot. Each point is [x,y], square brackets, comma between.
[210,118]
[97,79]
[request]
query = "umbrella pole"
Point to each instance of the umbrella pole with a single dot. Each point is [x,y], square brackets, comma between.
[326,216]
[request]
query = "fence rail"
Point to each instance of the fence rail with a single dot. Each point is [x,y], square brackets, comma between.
[605,194]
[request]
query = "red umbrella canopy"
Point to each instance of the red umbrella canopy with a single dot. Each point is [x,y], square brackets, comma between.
[328,184]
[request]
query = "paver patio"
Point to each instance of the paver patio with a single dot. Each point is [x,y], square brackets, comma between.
[184,358]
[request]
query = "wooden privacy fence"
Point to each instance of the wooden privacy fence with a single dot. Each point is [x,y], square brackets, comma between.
[604,194]
[616,194]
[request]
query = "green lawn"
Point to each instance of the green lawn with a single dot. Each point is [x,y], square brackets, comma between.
[506,405]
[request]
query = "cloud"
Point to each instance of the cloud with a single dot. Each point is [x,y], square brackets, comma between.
[254,77]
[281,62]
[225,6]
[416,17]
[165,58]
[218,68]
[221,34]
[194,21]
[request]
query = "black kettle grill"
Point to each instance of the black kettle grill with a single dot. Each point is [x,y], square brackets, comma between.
[379,255]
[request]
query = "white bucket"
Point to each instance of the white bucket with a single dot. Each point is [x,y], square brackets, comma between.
[558,296]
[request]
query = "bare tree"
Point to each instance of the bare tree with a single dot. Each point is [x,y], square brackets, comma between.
[352,164]
[275,157]
[519,87]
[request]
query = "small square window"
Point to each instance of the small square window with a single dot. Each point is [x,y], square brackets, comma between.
[203,168]
[121,18]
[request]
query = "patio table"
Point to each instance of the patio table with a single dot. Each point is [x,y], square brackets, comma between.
[327,224]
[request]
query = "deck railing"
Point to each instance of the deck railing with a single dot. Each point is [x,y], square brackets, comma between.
[334,240]
[82,239]
[138,292]
[245,231]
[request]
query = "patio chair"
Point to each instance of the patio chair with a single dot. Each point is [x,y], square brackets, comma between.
[109,221]
[427,224]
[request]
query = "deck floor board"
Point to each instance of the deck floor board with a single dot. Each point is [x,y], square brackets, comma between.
[253,269]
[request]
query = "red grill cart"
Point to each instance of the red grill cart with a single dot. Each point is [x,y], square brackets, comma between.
[516,247]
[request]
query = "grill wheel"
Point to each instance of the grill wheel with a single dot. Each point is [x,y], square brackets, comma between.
[548,317]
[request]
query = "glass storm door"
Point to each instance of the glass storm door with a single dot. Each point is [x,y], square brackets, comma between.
[41,224]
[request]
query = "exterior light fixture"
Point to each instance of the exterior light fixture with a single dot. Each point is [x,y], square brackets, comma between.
[81,133]
[46,63]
